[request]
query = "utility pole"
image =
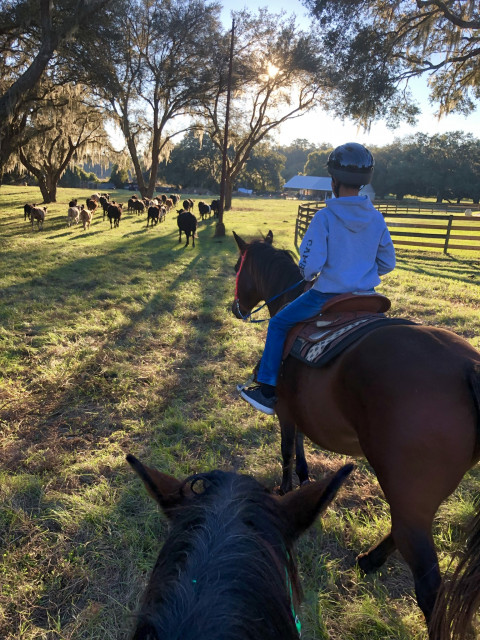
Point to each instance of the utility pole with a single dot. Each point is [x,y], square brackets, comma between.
[220,228]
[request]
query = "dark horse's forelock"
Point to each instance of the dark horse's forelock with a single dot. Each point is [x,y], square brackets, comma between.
[224,569]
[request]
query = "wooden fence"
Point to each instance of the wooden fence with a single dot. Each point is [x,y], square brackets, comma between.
[437,227]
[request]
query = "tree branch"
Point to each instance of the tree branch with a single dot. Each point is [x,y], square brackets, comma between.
[451,17]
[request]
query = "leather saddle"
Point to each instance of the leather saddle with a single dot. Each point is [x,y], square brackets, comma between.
[343,320]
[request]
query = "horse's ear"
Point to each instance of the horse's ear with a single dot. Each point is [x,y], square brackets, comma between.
[269,237]
[163,488]
[300,508]
[242,245]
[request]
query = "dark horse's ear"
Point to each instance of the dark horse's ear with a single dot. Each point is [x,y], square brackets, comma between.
[269,237]
[163,488]
[300,508]
[242,245]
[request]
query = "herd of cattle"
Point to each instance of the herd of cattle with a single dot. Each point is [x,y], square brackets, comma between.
[156,209]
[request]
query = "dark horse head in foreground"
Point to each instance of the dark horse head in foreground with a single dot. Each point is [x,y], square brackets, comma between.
[407,397]
[227,569]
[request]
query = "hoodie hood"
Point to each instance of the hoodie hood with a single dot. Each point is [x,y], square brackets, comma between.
[354,212]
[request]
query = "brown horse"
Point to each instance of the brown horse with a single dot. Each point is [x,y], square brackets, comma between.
[407,397]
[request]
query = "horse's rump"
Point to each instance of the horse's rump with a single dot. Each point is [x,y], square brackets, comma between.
[395,382]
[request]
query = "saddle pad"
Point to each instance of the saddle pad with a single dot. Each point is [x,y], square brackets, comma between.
[321,339]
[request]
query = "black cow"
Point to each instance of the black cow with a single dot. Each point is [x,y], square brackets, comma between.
[204,209]
[215,207]
[105,204]
[114,214]
[188,204]
[138,206]
[27,210]
[153,215]
[187,223]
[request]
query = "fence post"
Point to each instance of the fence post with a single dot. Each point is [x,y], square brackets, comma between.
[296,226]
[447,236]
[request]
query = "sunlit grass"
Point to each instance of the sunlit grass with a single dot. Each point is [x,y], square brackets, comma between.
[122,340]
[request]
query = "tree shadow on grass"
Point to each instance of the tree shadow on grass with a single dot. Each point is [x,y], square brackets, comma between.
[61,235]
[83,233]
[92,387]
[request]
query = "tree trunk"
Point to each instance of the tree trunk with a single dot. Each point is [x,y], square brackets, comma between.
[155,157]
[228,194]
[136,165]
[48,187]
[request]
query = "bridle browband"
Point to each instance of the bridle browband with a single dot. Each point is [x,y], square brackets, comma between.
[248,316]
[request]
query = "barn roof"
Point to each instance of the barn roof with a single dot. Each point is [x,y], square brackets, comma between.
[312,183]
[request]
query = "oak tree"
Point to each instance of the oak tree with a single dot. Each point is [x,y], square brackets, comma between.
[374,47]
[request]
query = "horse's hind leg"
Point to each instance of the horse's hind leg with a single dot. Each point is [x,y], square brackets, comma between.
[373,559]
[417,547]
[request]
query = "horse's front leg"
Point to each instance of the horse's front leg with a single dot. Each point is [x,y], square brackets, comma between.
[301,466]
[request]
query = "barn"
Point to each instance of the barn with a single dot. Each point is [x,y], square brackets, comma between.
[318,188]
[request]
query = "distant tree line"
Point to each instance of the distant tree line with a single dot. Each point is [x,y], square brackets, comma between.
[442,166]
[153,73]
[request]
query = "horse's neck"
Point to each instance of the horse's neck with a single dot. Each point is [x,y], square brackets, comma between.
[272,288]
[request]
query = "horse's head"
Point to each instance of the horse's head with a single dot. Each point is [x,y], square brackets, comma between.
[228,536]
[247,293]
[293,512]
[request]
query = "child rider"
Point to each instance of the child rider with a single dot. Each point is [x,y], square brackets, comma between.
[347,245]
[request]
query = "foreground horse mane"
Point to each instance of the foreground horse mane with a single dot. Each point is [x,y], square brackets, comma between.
[200,584]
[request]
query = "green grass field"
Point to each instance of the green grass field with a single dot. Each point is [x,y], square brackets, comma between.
[122,340]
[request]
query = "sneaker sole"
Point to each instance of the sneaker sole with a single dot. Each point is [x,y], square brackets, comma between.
[256,405]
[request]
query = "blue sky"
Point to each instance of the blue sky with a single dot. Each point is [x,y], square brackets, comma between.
[318,127]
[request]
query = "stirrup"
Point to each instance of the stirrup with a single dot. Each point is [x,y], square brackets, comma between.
[248,383]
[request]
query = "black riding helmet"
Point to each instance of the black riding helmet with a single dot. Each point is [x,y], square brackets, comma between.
[351,164]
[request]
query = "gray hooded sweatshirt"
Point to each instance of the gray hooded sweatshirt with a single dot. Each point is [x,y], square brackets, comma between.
[348,244]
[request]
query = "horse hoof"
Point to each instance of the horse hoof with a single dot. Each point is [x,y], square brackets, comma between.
[365,563]
[304,482]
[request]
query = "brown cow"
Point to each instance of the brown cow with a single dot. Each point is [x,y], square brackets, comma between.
[86,218]
[38,214]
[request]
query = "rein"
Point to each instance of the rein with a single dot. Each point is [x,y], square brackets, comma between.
[298,624]
[248,316]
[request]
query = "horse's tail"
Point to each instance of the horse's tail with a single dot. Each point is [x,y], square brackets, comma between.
[459,597]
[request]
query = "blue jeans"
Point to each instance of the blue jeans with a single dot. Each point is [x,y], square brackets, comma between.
[302,308]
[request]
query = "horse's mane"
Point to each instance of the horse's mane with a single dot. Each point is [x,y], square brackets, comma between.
[222,573]
[272,264]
